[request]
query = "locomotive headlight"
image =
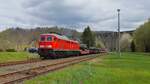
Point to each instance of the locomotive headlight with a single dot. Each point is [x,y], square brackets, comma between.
[49,46]
[41,46]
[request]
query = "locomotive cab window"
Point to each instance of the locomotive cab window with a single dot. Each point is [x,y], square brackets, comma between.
[42,38]
[49,38]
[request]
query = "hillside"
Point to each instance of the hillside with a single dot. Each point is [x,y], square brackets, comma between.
[19,39]
[110,38]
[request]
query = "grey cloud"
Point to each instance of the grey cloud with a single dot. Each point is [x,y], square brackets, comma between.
[57,12]
[100,14]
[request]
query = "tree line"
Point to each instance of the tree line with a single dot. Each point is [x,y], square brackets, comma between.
[138,41]
[89,38]
[19,39]
[141,38]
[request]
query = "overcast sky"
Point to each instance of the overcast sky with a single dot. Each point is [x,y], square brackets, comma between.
[77,14]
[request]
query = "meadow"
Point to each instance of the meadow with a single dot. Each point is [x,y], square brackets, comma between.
[15,56]
[130,68]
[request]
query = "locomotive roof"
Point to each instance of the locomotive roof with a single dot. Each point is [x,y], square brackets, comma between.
[61,37]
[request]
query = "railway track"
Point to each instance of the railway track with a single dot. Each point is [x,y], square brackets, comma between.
[19,62]
[19,76]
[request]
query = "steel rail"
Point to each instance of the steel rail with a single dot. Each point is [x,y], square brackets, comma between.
[19,76]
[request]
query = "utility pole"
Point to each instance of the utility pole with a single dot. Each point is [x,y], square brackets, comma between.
[119,52]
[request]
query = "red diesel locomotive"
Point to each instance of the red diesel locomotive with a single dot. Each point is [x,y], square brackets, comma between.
[55,46]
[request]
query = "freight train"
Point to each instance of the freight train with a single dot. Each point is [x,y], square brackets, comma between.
[57,46]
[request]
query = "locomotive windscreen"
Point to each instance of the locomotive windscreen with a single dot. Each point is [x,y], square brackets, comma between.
[42,38]
[46,38]
[49,38]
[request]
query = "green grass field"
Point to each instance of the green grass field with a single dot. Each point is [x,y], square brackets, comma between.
[130,68]
[15,56]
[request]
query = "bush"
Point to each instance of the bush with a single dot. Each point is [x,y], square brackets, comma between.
[125,42]
[132,46]
[142,37]
[1,50]
[10,50]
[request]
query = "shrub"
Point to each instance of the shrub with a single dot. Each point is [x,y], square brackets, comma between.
[125,42]
[10,50]
[1,50]
[132,46]
[142,37]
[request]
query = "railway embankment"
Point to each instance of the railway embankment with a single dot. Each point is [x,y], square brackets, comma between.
[130,68]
